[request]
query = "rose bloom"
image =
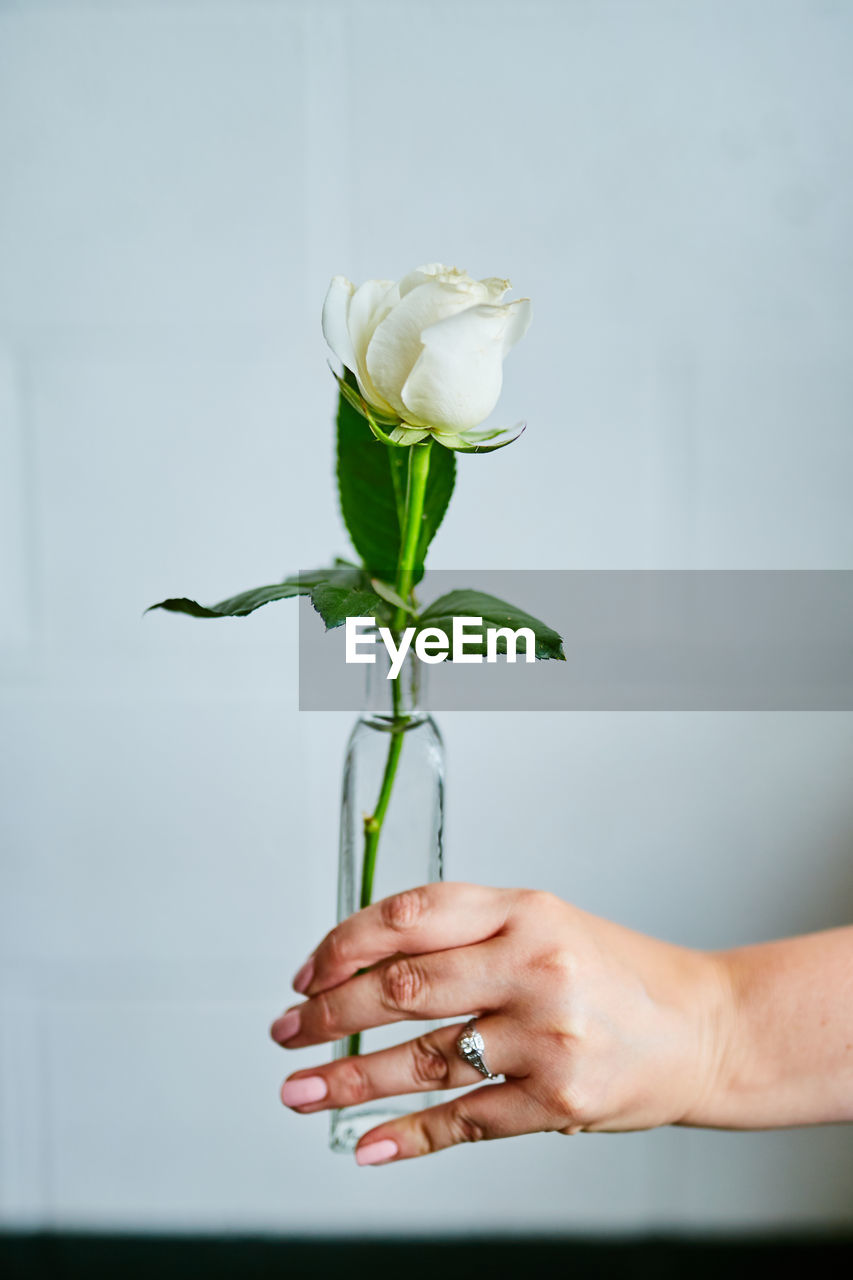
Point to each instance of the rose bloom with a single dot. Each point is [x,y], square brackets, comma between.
[427,351]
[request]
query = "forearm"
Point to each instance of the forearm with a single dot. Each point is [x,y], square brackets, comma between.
[786,1051]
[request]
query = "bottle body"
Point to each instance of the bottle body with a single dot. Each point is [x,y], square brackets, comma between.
[391,838]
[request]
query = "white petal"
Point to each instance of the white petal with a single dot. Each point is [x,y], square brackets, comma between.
[520,315]
[437,269]
[490,290]
[421,275]
[396,342]
[370,304]
[456,382]
[495,288]
[335,323]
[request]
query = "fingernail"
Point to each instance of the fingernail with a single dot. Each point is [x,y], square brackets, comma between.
[302,981]
[296,1093]
[285,1027]
[376,1152]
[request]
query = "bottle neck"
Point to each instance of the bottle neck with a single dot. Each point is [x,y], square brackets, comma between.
[389,699]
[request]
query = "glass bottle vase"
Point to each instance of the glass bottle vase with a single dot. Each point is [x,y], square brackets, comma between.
[391,838]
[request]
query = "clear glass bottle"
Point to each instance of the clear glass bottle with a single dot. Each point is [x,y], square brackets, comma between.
[391,838]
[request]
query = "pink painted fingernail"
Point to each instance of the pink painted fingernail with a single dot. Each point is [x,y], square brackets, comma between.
[296,1093]
[285,1027]
[302,981]
[376,1152]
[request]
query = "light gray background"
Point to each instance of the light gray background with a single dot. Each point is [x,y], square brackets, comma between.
[670,182]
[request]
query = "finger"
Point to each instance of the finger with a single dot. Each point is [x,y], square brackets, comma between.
[494,1111]
[442,985]
[431,917]
[429,1062]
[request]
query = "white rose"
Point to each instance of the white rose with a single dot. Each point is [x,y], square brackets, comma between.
[427,351]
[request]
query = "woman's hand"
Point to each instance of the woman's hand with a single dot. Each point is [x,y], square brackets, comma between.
[593,1026]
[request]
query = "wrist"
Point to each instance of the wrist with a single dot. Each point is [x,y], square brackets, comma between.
[715,1032]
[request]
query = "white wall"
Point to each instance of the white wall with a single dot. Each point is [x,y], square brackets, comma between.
[670,182]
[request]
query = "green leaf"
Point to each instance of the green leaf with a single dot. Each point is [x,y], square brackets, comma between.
[495,613]
[480,441]
[337,593]
[335,603]
[350,390]
[343,573]
[372,489]
[236,606]
[388,593]
[407,435]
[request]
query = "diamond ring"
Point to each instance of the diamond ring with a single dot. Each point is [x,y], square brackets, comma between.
[471,1047]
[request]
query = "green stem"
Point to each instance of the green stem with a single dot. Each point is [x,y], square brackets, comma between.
[419,457]
[415,494]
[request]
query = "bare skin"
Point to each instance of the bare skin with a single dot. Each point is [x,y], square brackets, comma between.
[594,1027]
